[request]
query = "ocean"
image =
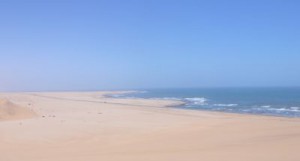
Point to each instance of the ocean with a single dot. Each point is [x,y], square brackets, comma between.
[281,101]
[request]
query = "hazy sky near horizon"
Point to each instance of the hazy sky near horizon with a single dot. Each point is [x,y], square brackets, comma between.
[118,44]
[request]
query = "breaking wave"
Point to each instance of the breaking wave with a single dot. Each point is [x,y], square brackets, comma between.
[226,105]
[196,100]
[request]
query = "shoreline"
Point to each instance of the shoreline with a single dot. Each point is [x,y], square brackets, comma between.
[179,104]
[80,126]
[172,104]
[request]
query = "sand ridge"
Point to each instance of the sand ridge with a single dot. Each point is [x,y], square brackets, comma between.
[11,111]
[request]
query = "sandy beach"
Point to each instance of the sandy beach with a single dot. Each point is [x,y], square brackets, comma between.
[86,126]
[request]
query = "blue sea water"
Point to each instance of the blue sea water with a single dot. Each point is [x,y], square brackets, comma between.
[263,101]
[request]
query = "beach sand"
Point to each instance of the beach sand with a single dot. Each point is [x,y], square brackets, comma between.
[86,126]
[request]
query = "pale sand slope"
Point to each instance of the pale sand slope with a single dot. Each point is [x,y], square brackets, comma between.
[10,111]
[89,127]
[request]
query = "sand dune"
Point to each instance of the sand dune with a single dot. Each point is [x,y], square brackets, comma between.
[11,111]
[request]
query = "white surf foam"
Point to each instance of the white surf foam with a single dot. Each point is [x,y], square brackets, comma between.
[226,105]
[285,109]
[295,108]
[197,100]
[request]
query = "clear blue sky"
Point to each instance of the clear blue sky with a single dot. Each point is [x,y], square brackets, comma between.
[130,44]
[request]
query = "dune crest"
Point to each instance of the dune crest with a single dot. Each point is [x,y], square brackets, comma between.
[11,111]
